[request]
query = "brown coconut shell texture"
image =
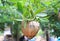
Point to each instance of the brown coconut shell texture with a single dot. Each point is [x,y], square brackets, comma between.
[31,29]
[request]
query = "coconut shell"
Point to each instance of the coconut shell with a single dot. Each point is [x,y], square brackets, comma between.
[31,29]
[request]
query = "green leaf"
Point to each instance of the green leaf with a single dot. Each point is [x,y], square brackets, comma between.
[41,15]
[40,10]
[44,20]
[20,6]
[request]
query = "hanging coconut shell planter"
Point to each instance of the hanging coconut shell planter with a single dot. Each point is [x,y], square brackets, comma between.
[31,29]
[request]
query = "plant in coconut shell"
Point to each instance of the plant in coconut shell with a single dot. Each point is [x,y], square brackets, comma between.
[28,11]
